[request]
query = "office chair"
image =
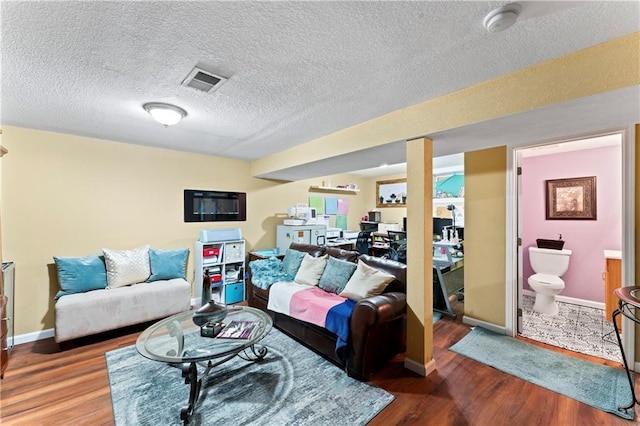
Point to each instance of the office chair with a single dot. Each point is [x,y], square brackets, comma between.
[363,242]
[398,246]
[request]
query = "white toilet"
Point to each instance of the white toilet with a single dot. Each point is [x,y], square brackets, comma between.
[549,265]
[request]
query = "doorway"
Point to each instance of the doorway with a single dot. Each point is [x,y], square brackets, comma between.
[582,324]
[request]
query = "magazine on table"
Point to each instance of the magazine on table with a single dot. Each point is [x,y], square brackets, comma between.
[237,329]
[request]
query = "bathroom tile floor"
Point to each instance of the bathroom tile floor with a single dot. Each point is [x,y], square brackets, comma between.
[576,328]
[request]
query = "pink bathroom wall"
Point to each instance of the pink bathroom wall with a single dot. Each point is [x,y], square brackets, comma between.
[587,239]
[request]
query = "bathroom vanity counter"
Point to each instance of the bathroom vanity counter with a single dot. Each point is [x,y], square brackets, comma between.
[612,280]
[613,254]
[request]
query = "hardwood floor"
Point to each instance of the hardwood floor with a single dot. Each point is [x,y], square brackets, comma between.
[44,385]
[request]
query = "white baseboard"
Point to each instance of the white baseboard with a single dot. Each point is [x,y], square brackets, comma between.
[572,300]
[32,337]
[489,326]
[421,369]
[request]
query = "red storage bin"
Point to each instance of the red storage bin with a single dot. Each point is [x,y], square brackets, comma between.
[210,251]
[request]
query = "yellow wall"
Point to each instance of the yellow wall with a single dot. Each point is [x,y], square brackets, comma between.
[485,234]
[65,195]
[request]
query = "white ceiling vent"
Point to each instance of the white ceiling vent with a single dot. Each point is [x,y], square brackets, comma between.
[203,80]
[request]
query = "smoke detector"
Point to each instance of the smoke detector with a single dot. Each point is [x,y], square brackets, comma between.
[204,81]
[502,18]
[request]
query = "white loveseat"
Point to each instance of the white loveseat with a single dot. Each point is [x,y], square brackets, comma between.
[121,288]
[95,311]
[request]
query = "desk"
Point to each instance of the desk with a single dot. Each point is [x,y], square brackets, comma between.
[448,275]
[629,299]
[344,243]
[379,244]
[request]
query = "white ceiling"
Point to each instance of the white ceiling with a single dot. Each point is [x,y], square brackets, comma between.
[297,70]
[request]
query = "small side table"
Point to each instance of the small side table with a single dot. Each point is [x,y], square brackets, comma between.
[629,298]
[264,254]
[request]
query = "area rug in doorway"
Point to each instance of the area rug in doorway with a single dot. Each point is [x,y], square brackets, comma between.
[436,316]
[600,386]
[291,386]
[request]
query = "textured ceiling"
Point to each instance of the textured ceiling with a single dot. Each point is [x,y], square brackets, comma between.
[297,70]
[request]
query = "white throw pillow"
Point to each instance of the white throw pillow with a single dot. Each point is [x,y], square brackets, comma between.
[126,267]
[366,282]
[311,269]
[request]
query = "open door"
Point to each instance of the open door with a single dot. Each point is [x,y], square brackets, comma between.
[519,242]
[594,155]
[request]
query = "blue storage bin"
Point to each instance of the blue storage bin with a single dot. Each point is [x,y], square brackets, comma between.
[233,293]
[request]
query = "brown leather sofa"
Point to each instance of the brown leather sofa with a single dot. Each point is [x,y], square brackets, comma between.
[377,325]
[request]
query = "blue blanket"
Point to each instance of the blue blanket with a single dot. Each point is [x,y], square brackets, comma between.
[265,272]
[337,322]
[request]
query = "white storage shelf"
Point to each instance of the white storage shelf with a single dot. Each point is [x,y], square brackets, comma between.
[224,264]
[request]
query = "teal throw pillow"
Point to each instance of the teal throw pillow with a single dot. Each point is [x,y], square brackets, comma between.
[292,261]
[336,275]
[168,264]
[80,274]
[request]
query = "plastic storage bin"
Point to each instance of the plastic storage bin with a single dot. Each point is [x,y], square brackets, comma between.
[233,293]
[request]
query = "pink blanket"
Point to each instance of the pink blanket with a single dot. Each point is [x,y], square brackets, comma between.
[316,306]
[303,302]
[312,305]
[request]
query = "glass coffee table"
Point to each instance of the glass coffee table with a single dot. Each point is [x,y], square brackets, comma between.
[177,341]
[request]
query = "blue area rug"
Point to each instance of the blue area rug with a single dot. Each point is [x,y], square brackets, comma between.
[291,386]
[600,386]
[436,316]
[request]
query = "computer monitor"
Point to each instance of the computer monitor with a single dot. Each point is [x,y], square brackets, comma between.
[439,223]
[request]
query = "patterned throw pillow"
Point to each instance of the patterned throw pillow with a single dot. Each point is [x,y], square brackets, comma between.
[336,275]
[366,282]
[168,264]
[311,269]
[291,262]
[126,267]
[80,274]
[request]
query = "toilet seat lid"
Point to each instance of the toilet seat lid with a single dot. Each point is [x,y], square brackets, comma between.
[547,279]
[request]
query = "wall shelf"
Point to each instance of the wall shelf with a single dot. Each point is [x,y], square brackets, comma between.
[443,201]
[332,189]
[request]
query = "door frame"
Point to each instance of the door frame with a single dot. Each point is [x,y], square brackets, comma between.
[514,277]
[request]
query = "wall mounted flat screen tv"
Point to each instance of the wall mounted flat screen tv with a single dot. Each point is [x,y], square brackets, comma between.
[214,206]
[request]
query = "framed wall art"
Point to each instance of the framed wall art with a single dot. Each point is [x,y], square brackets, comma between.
[391,193]
[573,198]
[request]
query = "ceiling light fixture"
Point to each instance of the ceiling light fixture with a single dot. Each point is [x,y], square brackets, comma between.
[165,114]
[502,18]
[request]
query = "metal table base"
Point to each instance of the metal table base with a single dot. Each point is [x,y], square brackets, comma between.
[627,302]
